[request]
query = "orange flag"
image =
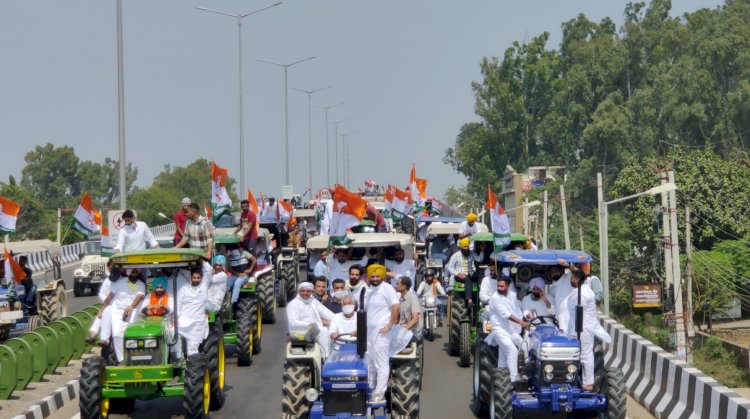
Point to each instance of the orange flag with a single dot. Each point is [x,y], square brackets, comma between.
[12,267]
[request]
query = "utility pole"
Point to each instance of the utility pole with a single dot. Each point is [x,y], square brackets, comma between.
[544,226]
[580,232]
[603,245]
[120,110]
[665,240]
[565,217]
[59,223]
[526,217]
[679,312]
[689,280]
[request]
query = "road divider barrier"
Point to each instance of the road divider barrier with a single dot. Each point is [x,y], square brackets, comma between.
[32,355]
[665,385]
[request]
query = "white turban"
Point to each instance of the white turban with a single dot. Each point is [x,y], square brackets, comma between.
[537,282]
[305,286]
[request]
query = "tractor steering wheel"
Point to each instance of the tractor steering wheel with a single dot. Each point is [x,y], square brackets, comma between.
[537,321]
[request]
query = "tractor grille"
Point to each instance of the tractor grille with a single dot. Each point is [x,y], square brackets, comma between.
[559,372]
[143,356]
[353,402]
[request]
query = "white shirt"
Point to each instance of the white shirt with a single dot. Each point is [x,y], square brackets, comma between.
[529,303]
[560,290]
[378,303]
[341,324]
[125,293]
[405,268]
[217,289]
[426,289]
[590,318]
[501,308]
[487,287]
[341,270]
[321,269]
[104,289]
[465,228]
[134,237]
[191,307]
[356,290]
[301,314]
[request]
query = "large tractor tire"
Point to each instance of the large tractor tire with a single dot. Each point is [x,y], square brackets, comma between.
[458,312]
[600,372]
[419,277]
[297,379]
[53,305]
[247,318]
[281,302]
[501,406]
[404,394]
[109,355]
[90,400]
[485,361]
[213,347]
[289,273]
[464,345]
[267,295]
[614,388]
[197,393]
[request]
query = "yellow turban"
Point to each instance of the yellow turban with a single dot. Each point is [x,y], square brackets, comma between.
[471,217]
[463,242]
[376,269]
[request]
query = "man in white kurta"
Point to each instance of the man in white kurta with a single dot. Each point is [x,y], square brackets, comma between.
[401,266]
[507,321]
[341,262]
[382,304]
[192,322]
[344,323]
[103,326]
[559,291]
[488,286]
[591,326]
[355,284]
[217,287]
[537,300]
[134,235]
[305,310]
[125,296]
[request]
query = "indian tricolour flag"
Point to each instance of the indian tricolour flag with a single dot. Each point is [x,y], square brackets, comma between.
[401,201]
[500,221]
[86,219]
[220,202]
[348,210]
[253,203]
[418,188]
[284,212]
[8,215]
[106,247]
[12,267]
[388,202]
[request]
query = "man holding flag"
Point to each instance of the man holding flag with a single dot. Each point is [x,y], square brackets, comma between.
[220,202]
[499,220]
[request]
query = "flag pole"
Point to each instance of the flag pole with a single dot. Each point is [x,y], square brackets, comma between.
[66,232]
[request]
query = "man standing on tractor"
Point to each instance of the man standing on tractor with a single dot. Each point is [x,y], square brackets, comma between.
[160,303]
[410,310]
[355,284]
[125,297]
[537,300]
[248,225]
[560,290]
[591,327]
[488,286]
[383,309]
[339,266]
[305,310]
[134,235]
[199,231]
[460,268]
[469,227]
[191,301]
[400,266]
[180,218]
[507,321]
[321,267]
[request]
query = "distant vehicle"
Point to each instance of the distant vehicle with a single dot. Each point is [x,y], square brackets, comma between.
[93,269]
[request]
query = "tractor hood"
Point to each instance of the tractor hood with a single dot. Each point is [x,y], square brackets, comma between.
[147,327]
[345,366]
[548,343]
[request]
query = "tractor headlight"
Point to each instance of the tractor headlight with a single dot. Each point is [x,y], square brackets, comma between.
[549,368]
[150,343]
[131,344]
[572,368]
[570,376]
[548,376]
[311,395]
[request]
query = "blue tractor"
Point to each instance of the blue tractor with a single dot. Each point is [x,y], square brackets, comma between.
[338,387]
[549,362]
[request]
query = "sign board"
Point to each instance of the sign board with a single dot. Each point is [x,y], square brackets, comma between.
[287,192]
[647,296]
[115,224]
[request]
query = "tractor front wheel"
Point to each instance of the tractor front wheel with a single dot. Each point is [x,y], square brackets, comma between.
[501,406]
[404,394]
[213,347]
[90,400]
[297,379]
[614,388]
[197,393]
[457,313]
[464,345]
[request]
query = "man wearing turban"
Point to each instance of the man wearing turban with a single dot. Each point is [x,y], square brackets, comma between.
[537,300]
[469,227]
[460,268]
[305,310]
[217,287]
[160,303]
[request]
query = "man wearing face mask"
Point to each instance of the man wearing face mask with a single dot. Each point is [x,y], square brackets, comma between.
[537,300]
[339,292]
[460,268]
[125,297]
[559,291]
[191,306]
[400,266]
[344,323]
[355,284]
[507,321]
[305,310]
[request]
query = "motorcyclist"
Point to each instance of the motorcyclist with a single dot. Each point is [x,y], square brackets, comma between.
[431,286]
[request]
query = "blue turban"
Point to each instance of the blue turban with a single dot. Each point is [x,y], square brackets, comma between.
[159,280]
[220,259]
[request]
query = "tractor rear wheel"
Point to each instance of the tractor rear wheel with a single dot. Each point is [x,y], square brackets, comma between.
[246,315]
[404,394]
[457,313]
[53,305]
[485,361]
[464,346]
[289,273]
[197,393]
[501,395]
[213,347]
[297,379]
[614,388]
[267,295]
[90,400]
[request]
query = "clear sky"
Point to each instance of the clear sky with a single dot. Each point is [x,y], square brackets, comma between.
[403,69]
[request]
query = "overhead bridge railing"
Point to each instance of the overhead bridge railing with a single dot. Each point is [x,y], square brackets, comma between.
[32,355]
[668,387]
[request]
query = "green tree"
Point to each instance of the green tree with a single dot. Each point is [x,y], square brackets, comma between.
[34,222]
[50,175]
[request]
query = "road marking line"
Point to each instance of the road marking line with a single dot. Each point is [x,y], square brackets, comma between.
[78,416]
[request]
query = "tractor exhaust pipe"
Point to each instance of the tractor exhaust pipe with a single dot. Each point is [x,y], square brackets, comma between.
[361,326]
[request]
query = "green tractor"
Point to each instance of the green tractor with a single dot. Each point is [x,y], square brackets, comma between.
[240,325]
[149,370]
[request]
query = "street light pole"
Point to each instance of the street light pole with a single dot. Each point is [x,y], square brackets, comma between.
[239,18]
[120,108]
[336,145]
[309,131]
[328,152]
[286,112]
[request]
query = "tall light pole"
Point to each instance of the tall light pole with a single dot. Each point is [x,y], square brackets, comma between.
[239,64]
[603,227]
[347,160]
[336,145]
[328,163]
[286,112]
[309,131]
[120,108]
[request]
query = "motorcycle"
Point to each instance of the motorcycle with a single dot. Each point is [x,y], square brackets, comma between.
[430,313]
